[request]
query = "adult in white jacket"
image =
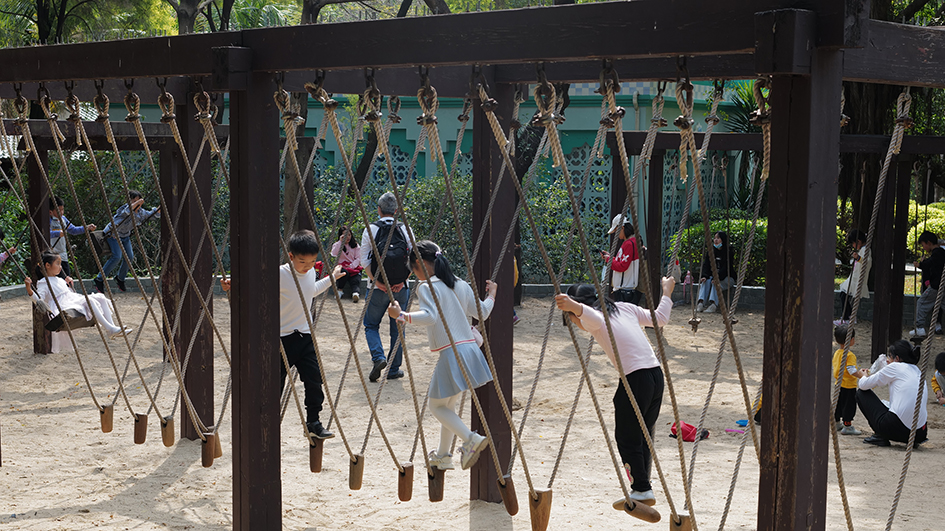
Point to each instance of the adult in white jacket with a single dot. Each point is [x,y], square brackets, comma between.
[903,376]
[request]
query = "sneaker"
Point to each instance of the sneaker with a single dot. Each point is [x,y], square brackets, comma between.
[876,441]
[119,333]
[839,425]
[376,371]
[515,320]
[121,285]
[471,449]
[355,297]
[444,462]
[700,307]
[319,431]
[850,430]
[99,285]
[394,375]
[841,322]
[645,497]
[917,332]
[712,308]
[938,330]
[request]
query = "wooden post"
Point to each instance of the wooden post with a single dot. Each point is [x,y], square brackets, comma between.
[881,254]
[900,234]
[799,296]
[38,198]
[254,254]
[199,377]
[172,177]
[654,223]
[486,163]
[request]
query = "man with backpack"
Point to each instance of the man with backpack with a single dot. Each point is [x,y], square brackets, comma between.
[392,278]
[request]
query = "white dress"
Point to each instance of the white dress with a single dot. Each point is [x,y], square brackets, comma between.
[67,298]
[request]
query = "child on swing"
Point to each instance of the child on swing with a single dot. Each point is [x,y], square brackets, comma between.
[458,303]
[50,283]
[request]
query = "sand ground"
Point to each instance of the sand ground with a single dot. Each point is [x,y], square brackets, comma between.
[60,472]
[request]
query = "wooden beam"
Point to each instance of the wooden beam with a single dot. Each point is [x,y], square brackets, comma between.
[705,67]
[898,54]
[115,89]
[254,255]
[799,297]
[653,206]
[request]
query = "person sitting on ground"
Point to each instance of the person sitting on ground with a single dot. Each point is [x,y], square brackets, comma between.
[640,364]
[862,263]
[9,251]
[58,295]
[59,223]
[625,267]
[724,259]
[294,330]
[458,303]
[894,422]
[846,400]
[118,238]
[938,380]
[348,253]
[931,277]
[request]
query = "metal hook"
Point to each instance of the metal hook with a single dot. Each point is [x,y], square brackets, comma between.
[682,70]
[279,78]
[70,85]
[18,88]
[42,92]
[130,84]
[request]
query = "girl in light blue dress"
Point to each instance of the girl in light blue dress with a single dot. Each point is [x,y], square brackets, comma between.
[447,384]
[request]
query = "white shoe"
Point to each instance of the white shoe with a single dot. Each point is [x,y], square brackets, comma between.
[700,307]
[119,333]
[471,449]
[444,462]
[646,497]
[850,430]
[355,297]
[917,332]
[839,425]
[712,308]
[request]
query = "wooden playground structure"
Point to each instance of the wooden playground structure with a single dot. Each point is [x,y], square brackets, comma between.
[806,48]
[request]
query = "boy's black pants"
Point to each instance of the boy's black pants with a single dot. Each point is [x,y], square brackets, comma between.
[300,351]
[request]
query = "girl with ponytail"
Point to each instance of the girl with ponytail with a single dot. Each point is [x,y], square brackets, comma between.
[458,303]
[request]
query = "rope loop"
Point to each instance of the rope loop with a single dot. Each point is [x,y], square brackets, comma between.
[42,96]
[166,104]
[204,106]
[393,107]
[21,105]
[316,90]
[467,107]
[902,109]
[762,115]
[133,105]
[429,103]
[101,103]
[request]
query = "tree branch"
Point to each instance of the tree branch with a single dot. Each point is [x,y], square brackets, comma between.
[69,12]
[174,4]
[203,4]
[913,8]
[22,15]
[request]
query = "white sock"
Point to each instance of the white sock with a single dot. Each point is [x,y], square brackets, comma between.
[443,411]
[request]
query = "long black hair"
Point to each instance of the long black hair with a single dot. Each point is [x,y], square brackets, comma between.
[47,257]
[431,252]
[904,350]
[586,294]
[351,242]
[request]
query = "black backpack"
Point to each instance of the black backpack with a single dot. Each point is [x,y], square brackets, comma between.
[395,262]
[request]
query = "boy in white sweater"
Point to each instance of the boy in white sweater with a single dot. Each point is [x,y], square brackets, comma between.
[294,331]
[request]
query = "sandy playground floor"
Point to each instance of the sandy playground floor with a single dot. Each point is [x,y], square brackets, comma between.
[60,472]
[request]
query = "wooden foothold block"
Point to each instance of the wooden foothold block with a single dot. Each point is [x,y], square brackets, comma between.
[509,498]
[217,447]
[107,418]
[539,507]
[167,431]
[315,448]
[684,523]
[207,450]
[141,428]
[435,485]
[356,472]
[638,510]
[405,482]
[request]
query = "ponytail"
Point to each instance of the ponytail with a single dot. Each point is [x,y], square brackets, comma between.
[431,252]
[47,257]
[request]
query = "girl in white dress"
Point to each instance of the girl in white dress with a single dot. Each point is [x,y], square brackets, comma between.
[96,305]
[458,303]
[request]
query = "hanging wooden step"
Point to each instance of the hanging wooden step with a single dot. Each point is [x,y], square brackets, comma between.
[356,472]
[167,431]
[208,449]
[141,428]
[509,498]
[684,522]
[315,449]
[435,484]
[405,482]
[638,510]
[107,418]
[539,507]
[217,447]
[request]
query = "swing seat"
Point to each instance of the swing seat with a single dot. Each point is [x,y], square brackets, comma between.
[638,510]
[58,323]
[694,323]
[356,472]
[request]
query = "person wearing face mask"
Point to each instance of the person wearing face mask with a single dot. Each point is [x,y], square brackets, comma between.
[861,268]
[724,258]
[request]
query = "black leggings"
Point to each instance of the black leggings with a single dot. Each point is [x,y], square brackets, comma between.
[884,423]
[846,405]
[300,351]
[647,387]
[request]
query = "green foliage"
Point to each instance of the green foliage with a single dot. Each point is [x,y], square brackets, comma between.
[693,246]
[91,20]
[922,219]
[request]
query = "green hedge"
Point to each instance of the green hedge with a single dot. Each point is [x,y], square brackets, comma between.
[693,246]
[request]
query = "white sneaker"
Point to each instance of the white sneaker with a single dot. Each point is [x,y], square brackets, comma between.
[839,425]
[471,449]
[850,430]
[712,308]
[917,332]
[355,297]
[646,497]
[841,322]
[700,307]
[119,333]
[444,462]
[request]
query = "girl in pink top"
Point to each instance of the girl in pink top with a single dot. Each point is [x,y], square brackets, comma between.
[640,364]
[348,252]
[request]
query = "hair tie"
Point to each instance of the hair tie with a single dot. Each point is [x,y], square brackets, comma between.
[439,253]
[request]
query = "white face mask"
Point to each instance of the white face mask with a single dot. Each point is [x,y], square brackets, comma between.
[717,245]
